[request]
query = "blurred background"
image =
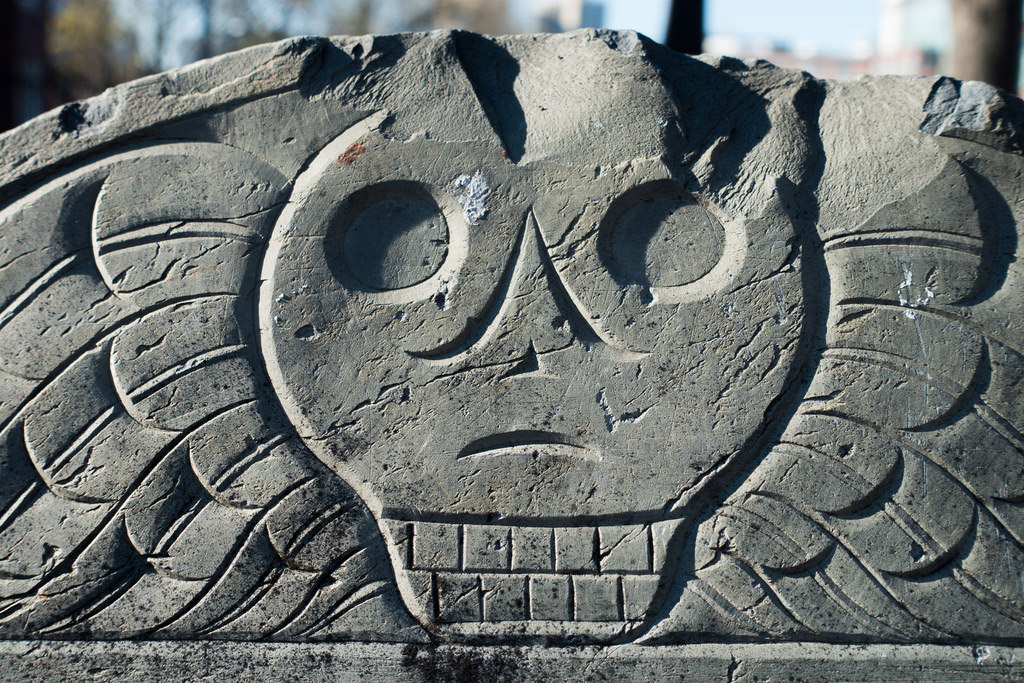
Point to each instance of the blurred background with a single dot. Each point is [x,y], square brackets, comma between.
[62,50]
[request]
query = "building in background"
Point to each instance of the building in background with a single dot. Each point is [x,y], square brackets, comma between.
[491,17]
[913,37]
[805,55]
[567,15]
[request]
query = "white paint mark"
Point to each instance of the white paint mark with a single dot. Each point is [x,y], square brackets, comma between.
[908,280]
[472,197]
[295,292]
[906,295]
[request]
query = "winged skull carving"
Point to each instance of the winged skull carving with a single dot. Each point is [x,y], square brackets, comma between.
[457,360]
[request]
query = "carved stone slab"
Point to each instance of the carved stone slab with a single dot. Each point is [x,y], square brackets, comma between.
[563,340]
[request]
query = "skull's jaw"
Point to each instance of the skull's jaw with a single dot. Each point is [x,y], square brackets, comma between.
[467,581]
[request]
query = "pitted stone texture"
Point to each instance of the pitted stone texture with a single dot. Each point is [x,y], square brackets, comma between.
[356,662]
[508,340]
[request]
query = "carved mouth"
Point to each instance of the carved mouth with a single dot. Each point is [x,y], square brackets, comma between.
[529,442]
[476,579]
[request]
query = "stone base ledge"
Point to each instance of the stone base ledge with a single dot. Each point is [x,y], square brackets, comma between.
[223,661]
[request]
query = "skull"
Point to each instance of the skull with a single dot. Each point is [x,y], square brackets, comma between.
[533,371]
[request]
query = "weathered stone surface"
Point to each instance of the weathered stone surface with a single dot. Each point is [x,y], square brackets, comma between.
[564,339]
[743,663]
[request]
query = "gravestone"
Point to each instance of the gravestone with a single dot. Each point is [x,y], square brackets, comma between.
[437,355]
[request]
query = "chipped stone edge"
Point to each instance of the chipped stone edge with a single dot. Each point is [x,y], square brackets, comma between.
[220,660]
[130,109]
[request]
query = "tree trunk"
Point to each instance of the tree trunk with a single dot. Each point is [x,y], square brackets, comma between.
[986,41]
[686,26]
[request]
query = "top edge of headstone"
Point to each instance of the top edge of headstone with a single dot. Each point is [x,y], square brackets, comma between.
[126,111]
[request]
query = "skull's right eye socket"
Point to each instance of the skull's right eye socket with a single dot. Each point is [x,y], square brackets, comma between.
[657,235]
[389,237]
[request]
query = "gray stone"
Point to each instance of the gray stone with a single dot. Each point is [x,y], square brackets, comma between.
[532,342]
[219,661]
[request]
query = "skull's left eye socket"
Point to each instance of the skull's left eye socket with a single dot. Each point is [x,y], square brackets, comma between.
[388,237]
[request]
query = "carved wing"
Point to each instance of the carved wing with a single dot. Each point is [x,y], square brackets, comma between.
[150,486]
[892,506]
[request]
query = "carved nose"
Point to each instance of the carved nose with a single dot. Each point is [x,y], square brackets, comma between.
[534,312]
[542,314]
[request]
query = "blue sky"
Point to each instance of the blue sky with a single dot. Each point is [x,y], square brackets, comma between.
[646,16]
